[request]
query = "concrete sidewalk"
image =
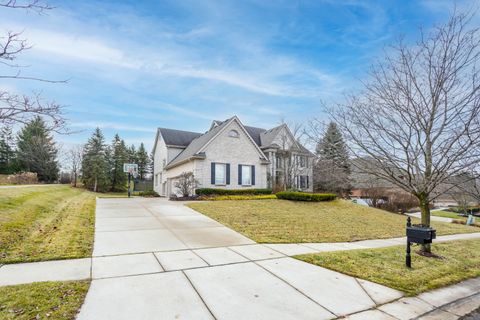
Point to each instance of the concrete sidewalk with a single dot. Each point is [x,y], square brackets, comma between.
[130,264]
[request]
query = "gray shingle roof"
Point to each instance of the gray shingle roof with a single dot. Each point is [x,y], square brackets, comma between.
[255,134]
[174,137]
[268,136]
[196,144]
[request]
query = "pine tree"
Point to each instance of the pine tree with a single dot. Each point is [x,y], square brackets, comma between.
[36,150]
[118,158]
[151,164]
[332,170]
[95,168]
[143,161]
[132,154]
[7,151]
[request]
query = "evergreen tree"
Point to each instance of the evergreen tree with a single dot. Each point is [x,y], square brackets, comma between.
[95,167]
[132,154]
[118,157]
[332,170]
[143,161]
[150,165]
[7,151]
[36,150]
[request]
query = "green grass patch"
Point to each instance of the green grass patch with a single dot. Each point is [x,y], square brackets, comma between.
[447,214]
[386,266]
[282,221]
[46,223]
[43,300]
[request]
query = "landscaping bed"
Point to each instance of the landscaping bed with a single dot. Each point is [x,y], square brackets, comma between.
[460,260]
[46,223]
[282,221]
[43,300]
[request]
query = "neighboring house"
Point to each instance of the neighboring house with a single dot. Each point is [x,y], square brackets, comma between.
[449,193]
[230,155]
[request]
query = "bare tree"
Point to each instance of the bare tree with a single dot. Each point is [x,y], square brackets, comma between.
[186,183]
[288,155]
[17,108]
[471,185]
[75,156]
[418,118]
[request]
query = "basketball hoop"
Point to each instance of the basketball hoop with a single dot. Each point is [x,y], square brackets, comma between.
[132,170]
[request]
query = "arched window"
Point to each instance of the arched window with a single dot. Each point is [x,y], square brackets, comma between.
[233,134]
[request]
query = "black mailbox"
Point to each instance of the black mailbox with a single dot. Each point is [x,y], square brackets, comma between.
[420,234]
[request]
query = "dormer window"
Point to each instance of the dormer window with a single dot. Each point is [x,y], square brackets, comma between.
[233,134]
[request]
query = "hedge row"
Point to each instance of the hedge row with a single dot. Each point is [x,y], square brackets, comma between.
[226,192]
[303,196]
[243,197]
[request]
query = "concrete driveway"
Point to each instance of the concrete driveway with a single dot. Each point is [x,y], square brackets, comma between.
[125,226]
[156,259]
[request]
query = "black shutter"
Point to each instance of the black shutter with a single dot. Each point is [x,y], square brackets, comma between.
[239,174]
[212,176]
[228,173]
[308,182]
[253,175]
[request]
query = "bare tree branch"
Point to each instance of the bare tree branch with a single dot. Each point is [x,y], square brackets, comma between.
[34,5]
[16,108]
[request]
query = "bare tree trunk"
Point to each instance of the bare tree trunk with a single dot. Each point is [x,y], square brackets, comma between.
[95,185]
[75,179]
[425,217]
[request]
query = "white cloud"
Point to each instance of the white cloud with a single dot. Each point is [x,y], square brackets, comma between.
[111,125]
[79,48]
[258,76]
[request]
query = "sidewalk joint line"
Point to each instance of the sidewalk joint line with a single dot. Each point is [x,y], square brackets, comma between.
[365,290]
[296,289]
[199,295]
[158,260]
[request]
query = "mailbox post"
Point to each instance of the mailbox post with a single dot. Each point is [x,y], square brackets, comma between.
[417,234]
[408,257]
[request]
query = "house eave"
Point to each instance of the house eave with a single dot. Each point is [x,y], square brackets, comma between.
[173,165]
[176,146]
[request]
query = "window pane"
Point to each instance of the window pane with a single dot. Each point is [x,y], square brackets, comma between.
[246,175]
[219,173]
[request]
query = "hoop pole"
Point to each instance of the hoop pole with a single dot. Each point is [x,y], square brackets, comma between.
[129,178]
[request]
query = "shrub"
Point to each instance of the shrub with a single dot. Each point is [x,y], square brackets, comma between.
[303,196]
[243,197]
[148,193]
[227,192]
[19,178]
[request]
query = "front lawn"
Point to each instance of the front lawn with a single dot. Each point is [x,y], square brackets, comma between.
[45,223]
[386,266]
[43,300]
[283,221]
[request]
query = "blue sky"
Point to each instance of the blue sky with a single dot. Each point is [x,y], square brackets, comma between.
[138,65]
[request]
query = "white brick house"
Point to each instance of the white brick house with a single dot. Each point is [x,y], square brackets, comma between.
[230,155]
